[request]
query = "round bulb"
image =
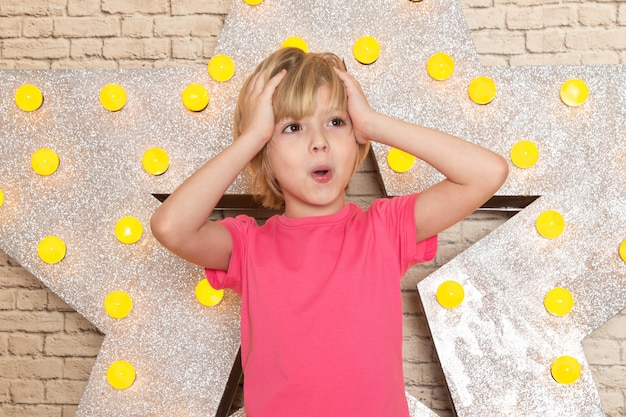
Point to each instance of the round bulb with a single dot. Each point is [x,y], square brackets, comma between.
[113,97]
[295,42]
[565,370]
[207,295]
[155,161]
[574,92]
[450,294]
[28,97]
[118,304]
[253,2]
[195,97]
[51,249]
[550,224]
[559,302]
[366,50]
[622,250]
[482,90]
[524,154]
[440,66]
[1,198]
[221,68]
[399,161]
[44,161]
[121,375]
[128,230]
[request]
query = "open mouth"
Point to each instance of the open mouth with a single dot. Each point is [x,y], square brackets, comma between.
[322,175]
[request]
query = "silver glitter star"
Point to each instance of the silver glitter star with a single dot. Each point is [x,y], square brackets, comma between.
[495,349]
[182,352]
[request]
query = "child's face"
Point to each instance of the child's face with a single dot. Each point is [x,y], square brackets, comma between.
[313,159]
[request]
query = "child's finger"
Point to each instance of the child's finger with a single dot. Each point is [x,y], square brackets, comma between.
[353,88]
[344,76]
[271,85]
[256,84]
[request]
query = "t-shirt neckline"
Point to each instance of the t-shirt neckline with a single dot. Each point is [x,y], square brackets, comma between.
[315,220]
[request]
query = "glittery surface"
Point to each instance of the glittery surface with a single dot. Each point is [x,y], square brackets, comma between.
[495,349]
[182,351]
[498,361]
[416,409]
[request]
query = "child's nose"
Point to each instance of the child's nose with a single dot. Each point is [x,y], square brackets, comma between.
[319,142]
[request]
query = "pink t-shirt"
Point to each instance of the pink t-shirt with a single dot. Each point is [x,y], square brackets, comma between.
[321,318]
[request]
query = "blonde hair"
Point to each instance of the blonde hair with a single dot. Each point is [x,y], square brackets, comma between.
[295,97]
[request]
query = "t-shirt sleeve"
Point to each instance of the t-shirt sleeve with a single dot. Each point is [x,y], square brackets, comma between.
[238,228]
[398,216]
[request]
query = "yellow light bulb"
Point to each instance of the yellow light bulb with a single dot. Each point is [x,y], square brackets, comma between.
[550,224]
[118,304]
[51,249]
[253,2]
[559,302]
[28,97]
[195,97]
[565,370]
[44,161]
[399,161]
[207,295]
[113,97]
[450,294]
[574,92]
[221,68]
[622,250]
[128,230]
[1,198]
[440,66]
[524,154]
[155,161]
[366,50]
[295,42]
[121,375]
[482,90]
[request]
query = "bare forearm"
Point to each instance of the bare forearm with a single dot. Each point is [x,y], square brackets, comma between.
[187,209]
[181,223]
[460,161]
[473,173]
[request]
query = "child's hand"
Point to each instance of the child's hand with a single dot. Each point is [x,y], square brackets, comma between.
[257,112]
[358,106]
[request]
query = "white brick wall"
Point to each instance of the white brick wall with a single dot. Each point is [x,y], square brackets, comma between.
[47,349]
[541,32]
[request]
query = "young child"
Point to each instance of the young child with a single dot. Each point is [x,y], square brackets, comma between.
[321,318]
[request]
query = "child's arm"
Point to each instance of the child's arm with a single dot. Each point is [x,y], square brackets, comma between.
[181,223]
[473,173]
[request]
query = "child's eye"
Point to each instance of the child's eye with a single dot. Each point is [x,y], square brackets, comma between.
[292,127]
[336,122]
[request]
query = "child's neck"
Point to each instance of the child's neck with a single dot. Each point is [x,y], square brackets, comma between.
[305,210]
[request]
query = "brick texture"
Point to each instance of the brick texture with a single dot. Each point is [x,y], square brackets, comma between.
[47,349]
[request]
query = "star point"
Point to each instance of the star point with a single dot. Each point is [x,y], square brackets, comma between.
[496,347]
